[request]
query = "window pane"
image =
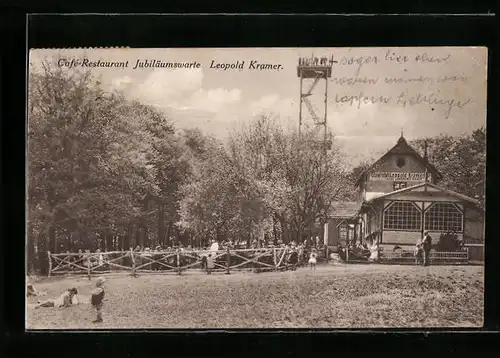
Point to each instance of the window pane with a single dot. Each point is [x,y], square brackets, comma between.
[443,217]
[402,216]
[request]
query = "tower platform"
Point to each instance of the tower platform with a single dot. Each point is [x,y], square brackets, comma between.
[312,71]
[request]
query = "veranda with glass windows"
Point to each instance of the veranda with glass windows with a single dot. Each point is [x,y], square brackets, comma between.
[400,218]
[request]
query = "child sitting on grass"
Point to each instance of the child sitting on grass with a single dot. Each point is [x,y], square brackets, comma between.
[31,290]
[97,299]
[63,301]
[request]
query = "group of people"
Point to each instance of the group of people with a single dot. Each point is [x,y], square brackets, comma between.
[300,255]
[296,255]
[70,297]
[97,257]
[87,258]
[423,249]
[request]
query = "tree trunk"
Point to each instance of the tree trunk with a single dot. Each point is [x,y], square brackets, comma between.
[53,238]
[31,255]
[72,242]
[83,239]
[167,236]
[275,231]
[300,233]
[104,242]
[140,231]
[32,247]
[161,224]
[285,232]
[109,241]
[128,237]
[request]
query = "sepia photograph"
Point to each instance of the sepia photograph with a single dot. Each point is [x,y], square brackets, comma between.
[227,188]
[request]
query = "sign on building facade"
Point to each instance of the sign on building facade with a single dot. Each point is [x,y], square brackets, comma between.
[400,176]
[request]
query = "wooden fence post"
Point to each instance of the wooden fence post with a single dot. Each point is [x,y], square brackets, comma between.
[50,262]
[88,266]
[178,262]
[133,262]
[275,260]
[228,260]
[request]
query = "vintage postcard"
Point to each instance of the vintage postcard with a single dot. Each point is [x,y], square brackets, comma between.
[256,188]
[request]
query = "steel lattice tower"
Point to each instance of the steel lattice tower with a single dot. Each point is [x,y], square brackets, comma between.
[311,71]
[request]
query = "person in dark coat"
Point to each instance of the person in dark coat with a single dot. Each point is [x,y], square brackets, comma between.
[293,259]
[427,244]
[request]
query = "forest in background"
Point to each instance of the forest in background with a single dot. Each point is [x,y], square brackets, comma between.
[106,172]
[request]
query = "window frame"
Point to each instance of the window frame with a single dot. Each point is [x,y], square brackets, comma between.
[400,160]
[419,229]
[340,226]
[428,209]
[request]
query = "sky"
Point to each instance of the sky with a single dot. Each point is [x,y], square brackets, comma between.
[425,91]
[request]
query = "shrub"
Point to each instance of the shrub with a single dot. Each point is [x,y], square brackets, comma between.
[449,242]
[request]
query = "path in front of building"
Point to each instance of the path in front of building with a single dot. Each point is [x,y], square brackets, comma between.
[321,270]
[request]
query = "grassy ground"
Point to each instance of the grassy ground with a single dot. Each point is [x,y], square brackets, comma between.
[353,296]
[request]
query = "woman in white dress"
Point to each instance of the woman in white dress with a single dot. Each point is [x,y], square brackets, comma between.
[215,246]
[313,259]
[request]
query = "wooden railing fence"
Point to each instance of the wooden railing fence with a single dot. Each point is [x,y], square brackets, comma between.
[224,261]
[166,261]
[435,257]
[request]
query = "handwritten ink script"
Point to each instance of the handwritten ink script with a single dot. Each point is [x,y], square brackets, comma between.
[405,78]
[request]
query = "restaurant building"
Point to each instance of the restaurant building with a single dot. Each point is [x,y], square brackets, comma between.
[399,199]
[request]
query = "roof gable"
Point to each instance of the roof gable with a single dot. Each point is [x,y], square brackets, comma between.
[342,222]
[432,187]
[401,147]
[344,209]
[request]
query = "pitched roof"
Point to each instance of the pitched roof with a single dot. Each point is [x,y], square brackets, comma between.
[444,190]
[402,147]
[344,209]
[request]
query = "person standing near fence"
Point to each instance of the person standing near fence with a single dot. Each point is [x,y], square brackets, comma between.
[147,255]
[98,298]
[418,253]
[100,260]
[203,261]
[210,263]
[79,258]
[293,258]
[427,245]
[214,247]
[300,254]
[313,259]
[87,258]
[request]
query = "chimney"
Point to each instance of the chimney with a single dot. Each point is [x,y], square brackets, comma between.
[425,150]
